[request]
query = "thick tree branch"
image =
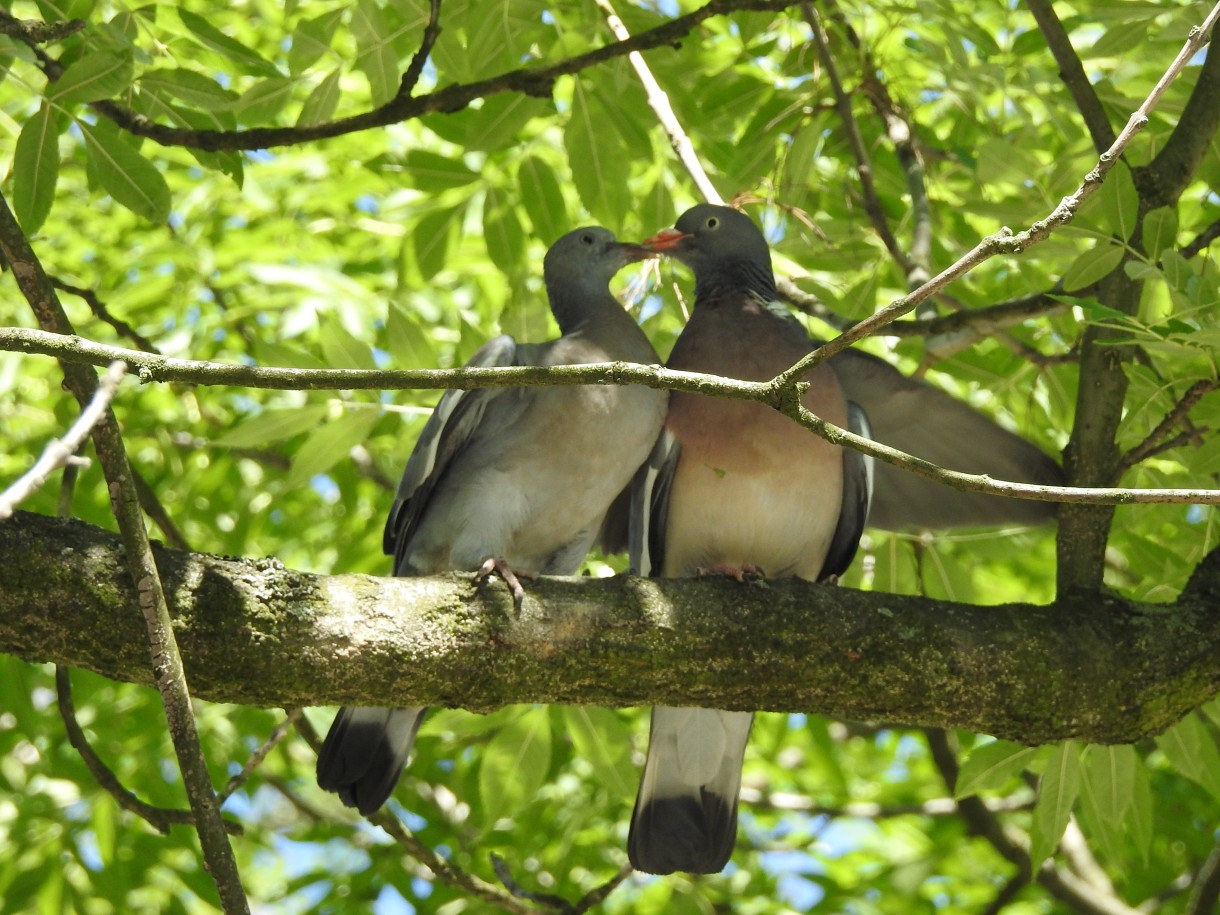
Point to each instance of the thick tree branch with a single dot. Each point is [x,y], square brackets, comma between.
[780,394]
[1101,669]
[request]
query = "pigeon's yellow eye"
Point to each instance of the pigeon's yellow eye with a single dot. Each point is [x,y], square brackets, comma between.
[712,222]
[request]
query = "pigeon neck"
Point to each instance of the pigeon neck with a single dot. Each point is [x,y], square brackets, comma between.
[756,280]
[577,310]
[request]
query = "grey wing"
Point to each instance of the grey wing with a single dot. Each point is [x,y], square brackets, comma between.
[858,473]
[649,506]
[458,418]
[924,421]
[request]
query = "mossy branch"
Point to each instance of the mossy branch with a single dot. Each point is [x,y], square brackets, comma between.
[255,632]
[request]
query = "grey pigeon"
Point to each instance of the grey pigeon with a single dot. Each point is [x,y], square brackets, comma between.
[511,479]
[732,487]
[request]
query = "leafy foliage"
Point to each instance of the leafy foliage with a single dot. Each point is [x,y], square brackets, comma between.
[410,245]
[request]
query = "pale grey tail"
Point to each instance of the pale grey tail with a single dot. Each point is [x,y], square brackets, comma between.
[365,752]
[685,815]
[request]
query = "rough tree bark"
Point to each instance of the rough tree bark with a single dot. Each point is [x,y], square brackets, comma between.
[1101,669]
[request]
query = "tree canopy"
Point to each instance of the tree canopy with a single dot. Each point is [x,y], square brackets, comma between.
[214,192]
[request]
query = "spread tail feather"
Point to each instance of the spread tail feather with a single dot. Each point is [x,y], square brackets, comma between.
[364,754]
[685,815]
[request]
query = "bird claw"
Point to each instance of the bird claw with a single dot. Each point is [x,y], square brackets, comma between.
[747,571]
[511,578]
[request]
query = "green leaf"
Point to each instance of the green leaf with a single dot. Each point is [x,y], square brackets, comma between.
[1160,230]
[100,75]
[262,102]
[1107,792]
[1191,749]
[431,239]
[340,349]
[409,345]
[601,739]
[311,39]
[433,172]
[1118,202]
[514,766]
[124,174]
[273,426]
[322,101]
[190,87]
[376,57]
[1057,792]
[248,59]
[36,168]
[329,445]
[542,198]
[500,119]
[991,766]
[599,162]
[502,231]
[1100,260]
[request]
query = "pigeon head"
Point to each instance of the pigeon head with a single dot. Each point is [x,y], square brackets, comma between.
[724,248]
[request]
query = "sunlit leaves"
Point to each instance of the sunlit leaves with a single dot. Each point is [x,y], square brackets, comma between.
[104,74]
[991,766]
[599,162]
[1057,791]
[246,59]
[515,763]
[1098,261]
[377,58]
[36,168]
[123,173]
[1191,747]
[322,100]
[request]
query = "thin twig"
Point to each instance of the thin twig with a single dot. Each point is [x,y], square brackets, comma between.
[549,900]
[1202,240]
[659,102]
[869,810]
[101,312]
[1156,439]
[864,167]
[160,818]
[598,894]
[1005,241]
[780,396]
[257,757]
[59,452]
[1205,894]
[415,68]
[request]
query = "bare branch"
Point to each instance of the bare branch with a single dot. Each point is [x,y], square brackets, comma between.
[780,393]
[257,757]
[1201,241]
[432,31]
[121,327]
[59,452]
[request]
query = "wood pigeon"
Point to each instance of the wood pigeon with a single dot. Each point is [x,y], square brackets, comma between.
[512,478]
[732,487]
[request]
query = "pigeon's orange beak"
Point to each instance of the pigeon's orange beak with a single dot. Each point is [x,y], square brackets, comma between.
[664,241]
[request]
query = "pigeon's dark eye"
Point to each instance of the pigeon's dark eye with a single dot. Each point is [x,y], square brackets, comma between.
[587,238]
[713,222]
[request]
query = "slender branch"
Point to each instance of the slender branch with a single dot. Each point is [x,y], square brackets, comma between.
[598,894]
[101,312]
[1156,439]
[1205,894]
[864,167]
[869,810]
[1005,241]
[432,31]
[532,81]
[1071,71]
[159,818]
[549,900]
[35,32]
[779,393]
[658,101]
[257,757]
[1007,895]
[150,596]
[59,452]
[1202,240]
